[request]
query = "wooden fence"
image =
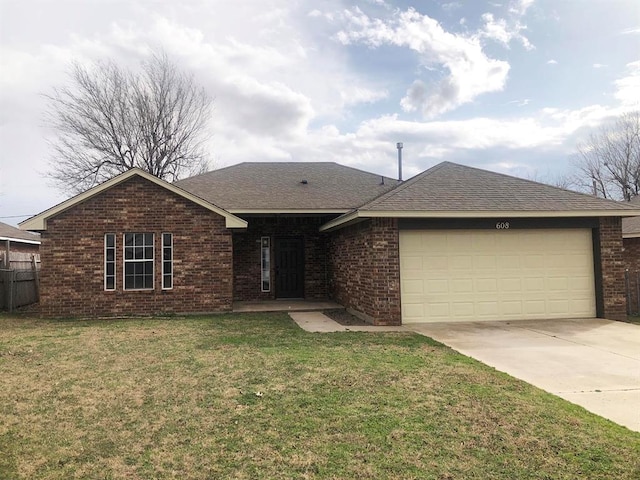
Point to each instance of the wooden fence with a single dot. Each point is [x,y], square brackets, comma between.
[20,287]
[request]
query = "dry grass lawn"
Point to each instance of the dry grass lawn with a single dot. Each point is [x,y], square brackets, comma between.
[253,397]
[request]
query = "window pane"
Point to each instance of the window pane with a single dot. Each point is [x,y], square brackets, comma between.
[129,268]
[111,240]
[148,253]
[111,269]
[139,240]
[166,239]
[128,239]
[167,281]
[110,283]
[166,254]
[166,267]
[148,281]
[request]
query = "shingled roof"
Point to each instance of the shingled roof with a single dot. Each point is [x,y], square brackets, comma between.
[7,232]
[288,187]
[452,190]
[631,225]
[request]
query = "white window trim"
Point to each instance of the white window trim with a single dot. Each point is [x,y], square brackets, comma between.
[163,261]
[263,277]
[125,261]
[115,246]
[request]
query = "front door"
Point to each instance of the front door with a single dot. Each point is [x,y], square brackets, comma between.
[289,266]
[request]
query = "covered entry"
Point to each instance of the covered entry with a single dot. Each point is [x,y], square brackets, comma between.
[469,275]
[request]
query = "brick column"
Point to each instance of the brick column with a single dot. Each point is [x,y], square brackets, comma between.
[612,267]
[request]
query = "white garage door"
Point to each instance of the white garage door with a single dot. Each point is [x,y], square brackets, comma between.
[469,275]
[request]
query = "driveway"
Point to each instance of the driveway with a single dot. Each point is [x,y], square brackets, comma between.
[594,363]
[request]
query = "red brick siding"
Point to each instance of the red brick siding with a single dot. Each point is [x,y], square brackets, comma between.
[631,256]
[246,261]
[613,266]
[364,266]
[72,255]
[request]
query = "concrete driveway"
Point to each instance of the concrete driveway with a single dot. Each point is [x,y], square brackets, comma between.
[594,363]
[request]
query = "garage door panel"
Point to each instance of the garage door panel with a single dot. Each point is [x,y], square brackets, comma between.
[461,285]
[510,285]
[493,275]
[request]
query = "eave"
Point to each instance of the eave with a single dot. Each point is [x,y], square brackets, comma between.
[359,215]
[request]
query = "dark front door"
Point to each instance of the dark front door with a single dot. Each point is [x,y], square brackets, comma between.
[289,259]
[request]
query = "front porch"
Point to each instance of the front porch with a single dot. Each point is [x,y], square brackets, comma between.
[280,257]
[285,305]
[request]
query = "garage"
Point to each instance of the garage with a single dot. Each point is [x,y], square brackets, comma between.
[501,274]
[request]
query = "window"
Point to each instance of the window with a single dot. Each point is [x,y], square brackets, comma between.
[167,261]
[110,261]
[265,259]
[138,261]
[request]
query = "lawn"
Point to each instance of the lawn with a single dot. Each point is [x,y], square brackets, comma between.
[253,396]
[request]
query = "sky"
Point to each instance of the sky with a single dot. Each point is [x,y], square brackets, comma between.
[508,86]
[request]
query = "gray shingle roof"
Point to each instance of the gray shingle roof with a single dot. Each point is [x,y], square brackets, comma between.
[278,186]
[457,188]
[631,225]
[7,231]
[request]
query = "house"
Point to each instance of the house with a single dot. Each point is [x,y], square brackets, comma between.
[16,245]
[452,243]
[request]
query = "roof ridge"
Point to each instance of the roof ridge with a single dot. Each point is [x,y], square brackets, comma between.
[401,186]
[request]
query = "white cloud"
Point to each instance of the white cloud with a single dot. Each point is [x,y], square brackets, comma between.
[470,71]
[599,65]
[520,7]
[552,62]
[628,87]
[503,31]
[631,31]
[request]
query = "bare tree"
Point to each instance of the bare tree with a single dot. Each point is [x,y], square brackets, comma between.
[608,163]
[110,119]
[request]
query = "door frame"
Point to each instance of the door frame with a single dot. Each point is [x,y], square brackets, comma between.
[301,268]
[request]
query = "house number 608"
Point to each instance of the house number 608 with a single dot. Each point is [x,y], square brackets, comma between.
[502,225]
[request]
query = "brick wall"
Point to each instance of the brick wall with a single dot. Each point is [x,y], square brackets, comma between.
[246,261]
[72,254]
[364,267]
[631,257]
[613,267]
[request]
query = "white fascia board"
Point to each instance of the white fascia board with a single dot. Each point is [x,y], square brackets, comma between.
[20,240]
[340,221]
[272,211]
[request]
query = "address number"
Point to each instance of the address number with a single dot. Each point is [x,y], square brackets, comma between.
[502,226]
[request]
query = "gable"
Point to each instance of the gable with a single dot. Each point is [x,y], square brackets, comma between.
[39,222]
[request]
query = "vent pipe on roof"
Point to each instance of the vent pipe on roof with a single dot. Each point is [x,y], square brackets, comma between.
[399,145]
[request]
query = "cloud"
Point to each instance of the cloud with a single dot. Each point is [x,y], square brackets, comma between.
[599,65]
[628,87]
[631,31]
[504,31]
[470,71]
[520,7]
[552,62]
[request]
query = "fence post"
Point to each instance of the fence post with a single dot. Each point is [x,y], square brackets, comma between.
[628,290]
[12,284]
[36,277]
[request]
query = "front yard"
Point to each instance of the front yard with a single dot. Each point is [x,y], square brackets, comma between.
[253,396]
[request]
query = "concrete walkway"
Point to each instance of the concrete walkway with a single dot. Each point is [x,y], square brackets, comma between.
[318,322]
[593,363]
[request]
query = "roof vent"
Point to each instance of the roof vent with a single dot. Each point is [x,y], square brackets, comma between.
[304,182]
